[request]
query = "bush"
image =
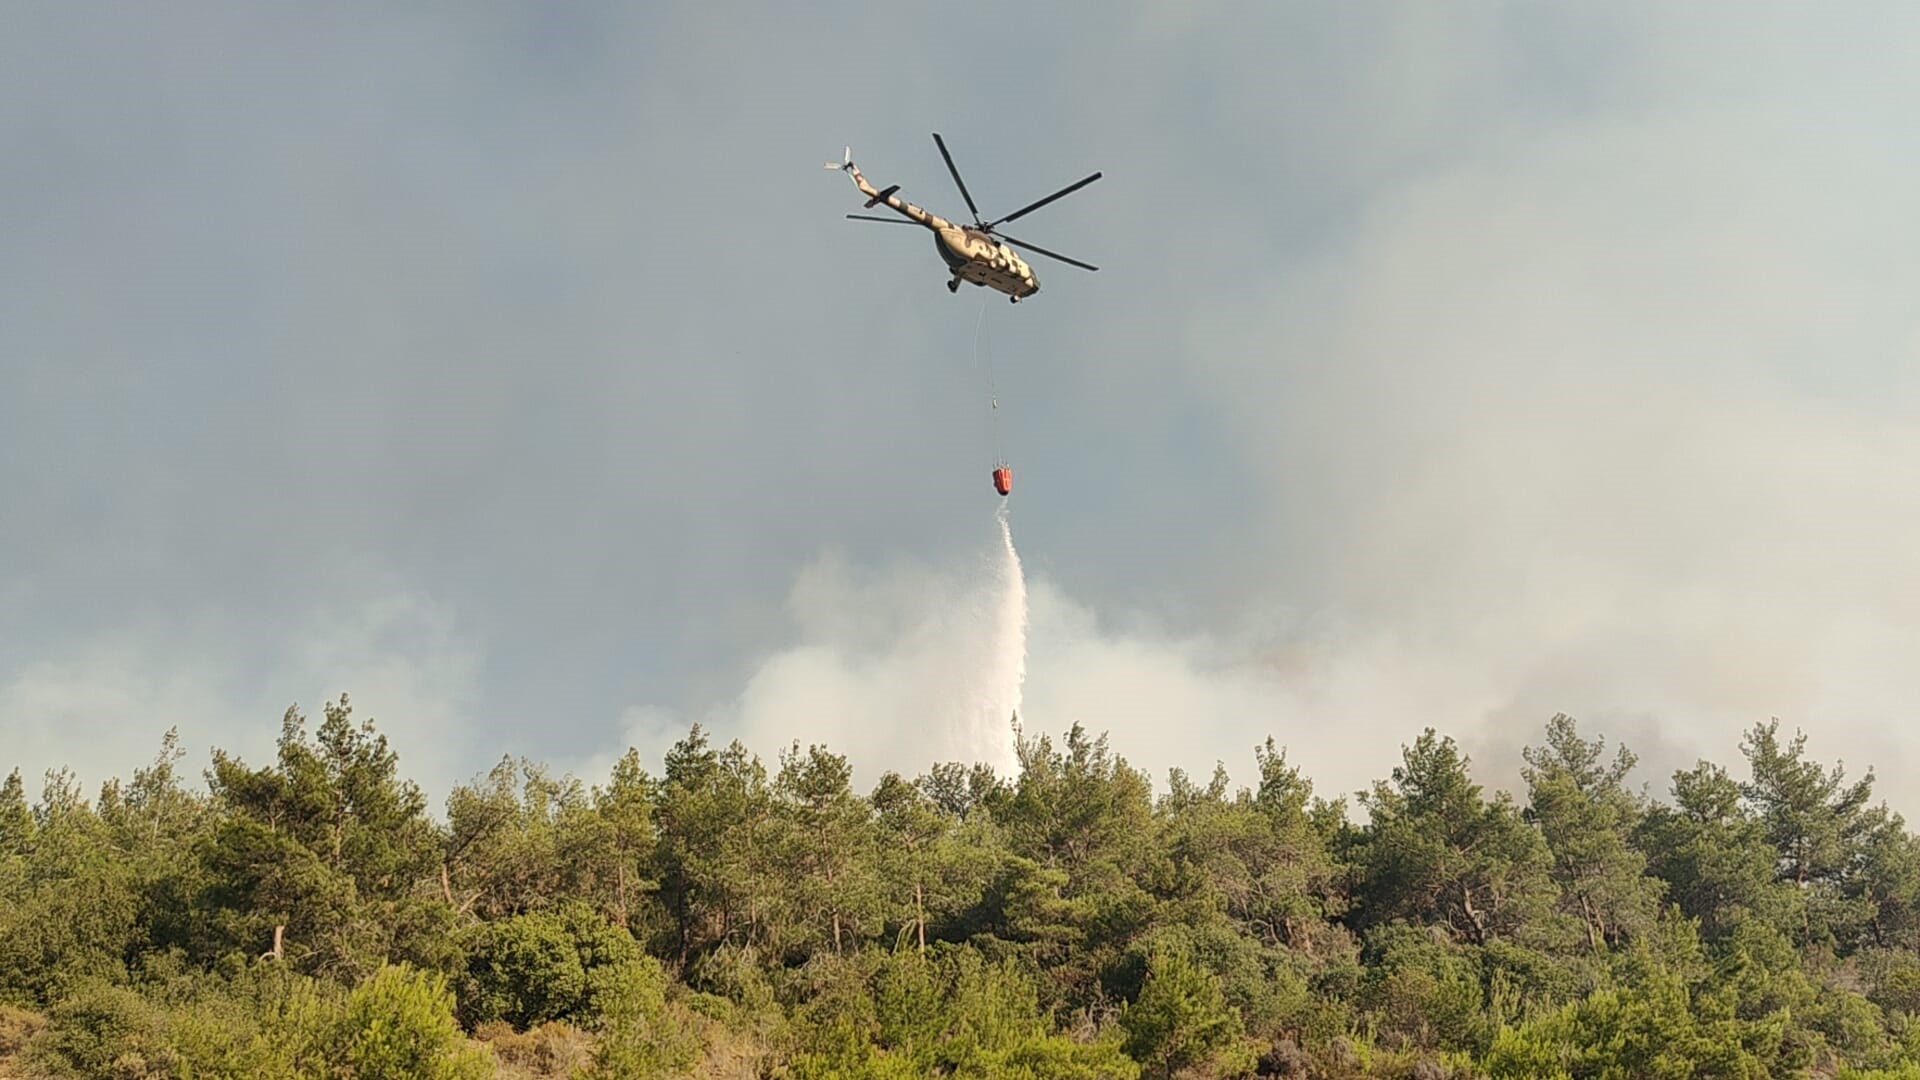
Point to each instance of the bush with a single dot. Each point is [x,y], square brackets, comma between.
[100,1030]
[266,1024]
[949,1013]
[398,1025]
[529,969]
[1423,993]
[1893,979]
[640,1035]
[273,1025]
[1182,1019]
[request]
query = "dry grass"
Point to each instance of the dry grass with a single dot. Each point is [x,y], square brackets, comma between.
[731,1055]
[553,1049]
[16,1027]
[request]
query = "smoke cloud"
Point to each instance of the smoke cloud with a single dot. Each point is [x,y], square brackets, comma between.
[897,668]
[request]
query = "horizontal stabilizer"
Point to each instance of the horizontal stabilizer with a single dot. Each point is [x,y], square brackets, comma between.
[882,196]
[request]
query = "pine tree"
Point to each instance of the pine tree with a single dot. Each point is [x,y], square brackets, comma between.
[328,844]
[1436,852]
[1585,814]
[827,850]
[1817,824]
[1714,858]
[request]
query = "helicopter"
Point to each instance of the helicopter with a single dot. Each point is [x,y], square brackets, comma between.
[978,253]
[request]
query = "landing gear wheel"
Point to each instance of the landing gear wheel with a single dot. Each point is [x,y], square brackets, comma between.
[953,286]
[1013,299]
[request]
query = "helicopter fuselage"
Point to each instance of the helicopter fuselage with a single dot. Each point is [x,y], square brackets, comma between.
[974,256]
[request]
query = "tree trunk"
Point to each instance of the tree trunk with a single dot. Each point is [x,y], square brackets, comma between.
[920,915]
[620,891]
[1474,920]
[681,917]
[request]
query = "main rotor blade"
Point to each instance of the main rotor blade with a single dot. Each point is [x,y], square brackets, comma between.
[959,183]
[882,220]
[1061,194]
[1038,250]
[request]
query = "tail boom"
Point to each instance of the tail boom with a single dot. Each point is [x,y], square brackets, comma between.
[877,196]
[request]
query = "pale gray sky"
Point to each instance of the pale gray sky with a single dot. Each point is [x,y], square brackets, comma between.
[511,368]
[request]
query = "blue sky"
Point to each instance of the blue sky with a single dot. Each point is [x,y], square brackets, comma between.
[512,368]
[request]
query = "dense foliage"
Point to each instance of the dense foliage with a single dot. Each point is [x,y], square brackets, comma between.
[311,917]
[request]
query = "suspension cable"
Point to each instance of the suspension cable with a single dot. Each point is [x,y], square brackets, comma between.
[984,359]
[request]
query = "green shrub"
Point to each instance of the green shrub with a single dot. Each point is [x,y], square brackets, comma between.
[1182,1019]
[641,1036]
[532,968]
[100,1030]
[398,1025]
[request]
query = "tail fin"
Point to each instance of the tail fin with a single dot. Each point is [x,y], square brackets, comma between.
[846,162]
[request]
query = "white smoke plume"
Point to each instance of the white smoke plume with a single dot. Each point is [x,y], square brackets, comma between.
[896,667]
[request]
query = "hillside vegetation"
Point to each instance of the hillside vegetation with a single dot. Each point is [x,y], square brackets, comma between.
[727,916]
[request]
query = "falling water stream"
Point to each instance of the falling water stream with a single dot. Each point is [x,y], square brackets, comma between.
[997,694]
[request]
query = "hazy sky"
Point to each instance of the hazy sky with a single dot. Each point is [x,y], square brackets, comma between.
[512,369]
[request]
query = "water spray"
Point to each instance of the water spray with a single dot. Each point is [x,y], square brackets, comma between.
[1005,675]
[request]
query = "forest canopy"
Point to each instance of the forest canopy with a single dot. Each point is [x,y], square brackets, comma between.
[717,914]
